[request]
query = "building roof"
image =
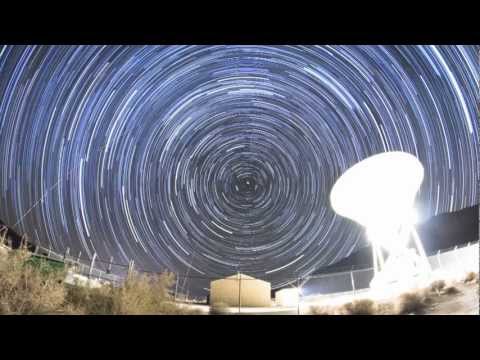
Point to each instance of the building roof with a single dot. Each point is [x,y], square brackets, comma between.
[240,276]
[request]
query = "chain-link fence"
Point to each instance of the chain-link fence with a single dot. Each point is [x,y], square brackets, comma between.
[447,263]
[248,292]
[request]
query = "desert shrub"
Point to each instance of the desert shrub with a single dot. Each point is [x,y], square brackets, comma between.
[30,285]
[413,302]
[437,286]
[29,289]
[143,294]
[219,309]
[471,277]
[385,309]
[320,310]
[89,301]
[360,307]
[139,294]
[450,290]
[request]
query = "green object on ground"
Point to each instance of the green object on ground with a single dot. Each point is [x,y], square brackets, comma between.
[46,265]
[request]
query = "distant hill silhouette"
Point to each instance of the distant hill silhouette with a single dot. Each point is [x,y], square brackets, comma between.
[439,232]
[449,229]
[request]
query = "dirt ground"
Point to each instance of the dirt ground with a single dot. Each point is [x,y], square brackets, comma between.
[464,303]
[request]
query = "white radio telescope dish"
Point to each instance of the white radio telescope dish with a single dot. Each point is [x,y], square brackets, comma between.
[378,189]
[379,194]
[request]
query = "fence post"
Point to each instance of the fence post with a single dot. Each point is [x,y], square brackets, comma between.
[3,235]
[438,259]
[49,251]
[131,265]
[78,257]
[91,265]
[353,282]
[176,288]
[36,250]
[109,269]
[66,254]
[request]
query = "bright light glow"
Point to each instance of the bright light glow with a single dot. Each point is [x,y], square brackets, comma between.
[288,297]
[380,190]
[379,193]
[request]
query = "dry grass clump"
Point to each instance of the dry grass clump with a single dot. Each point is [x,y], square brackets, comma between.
[89,301]
[471,277]
[360,307]
[357,307]
[385,309]
[140,294]
[27,288]
[450,290]
[143,294]
[219,309]
[414,302]
[437,286]
[320,310]
[30,285]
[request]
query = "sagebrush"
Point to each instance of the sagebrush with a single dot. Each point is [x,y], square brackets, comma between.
[27,288]
[360,307]
[437,286]
[31,285]
[415,302]
[471,277]
[321,310]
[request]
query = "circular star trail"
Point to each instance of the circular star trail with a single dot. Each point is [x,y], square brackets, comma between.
[219,159]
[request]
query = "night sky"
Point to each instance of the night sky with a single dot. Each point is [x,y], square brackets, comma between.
[217,159]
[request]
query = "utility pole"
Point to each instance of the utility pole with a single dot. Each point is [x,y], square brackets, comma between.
[299,293]
[239,292]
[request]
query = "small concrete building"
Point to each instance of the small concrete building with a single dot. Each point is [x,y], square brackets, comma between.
[250,291]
